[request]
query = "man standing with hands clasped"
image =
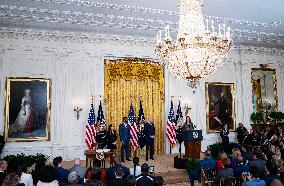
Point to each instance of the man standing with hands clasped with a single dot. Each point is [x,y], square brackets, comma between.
[124,134]
[149,131]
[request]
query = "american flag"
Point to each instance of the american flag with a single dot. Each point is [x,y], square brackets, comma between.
[133,128]
[170,131]
[90,138]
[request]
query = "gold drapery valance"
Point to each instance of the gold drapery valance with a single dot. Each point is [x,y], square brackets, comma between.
[135,79]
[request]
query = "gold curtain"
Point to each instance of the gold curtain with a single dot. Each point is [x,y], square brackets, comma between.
[135,79]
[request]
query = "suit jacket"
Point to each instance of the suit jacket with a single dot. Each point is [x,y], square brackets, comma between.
[282,153]
[116,182]
[80,170]
[62,175]
[224,133]
[149,130]
[254,182]
[2,177]
[111,171]
[239,169]
[269,177]
[206,163]
[124,132]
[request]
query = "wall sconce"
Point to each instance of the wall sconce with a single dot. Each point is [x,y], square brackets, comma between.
[77,109]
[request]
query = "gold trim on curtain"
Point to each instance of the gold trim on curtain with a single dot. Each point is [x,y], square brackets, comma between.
[135,79]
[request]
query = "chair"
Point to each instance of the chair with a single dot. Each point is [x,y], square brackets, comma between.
[208,176]
[228,181]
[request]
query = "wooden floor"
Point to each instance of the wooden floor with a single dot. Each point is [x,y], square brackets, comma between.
[164,166]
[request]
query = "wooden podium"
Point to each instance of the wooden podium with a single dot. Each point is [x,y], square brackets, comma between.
[192,142]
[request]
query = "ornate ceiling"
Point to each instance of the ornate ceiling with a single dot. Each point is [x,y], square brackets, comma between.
[253,22]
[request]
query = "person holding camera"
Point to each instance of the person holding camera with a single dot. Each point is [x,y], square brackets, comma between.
[251,178]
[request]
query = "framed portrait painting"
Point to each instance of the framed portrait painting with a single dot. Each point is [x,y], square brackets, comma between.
[27,109]
[220,106]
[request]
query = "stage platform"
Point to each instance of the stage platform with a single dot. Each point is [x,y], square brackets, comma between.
[164,166]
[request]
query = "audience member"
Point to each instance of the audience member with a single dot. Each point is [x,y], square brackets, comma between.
[38,166]
[47,176]
[206,163]
[95,179]
[246,153]
[11,180]
[117,164]
[78,168]
[235,153]
[240,168]
[136,169]
[118,180]
[227,171]
[3,169]
[272,171]
[25,178]
[219,164]
[74,179]
[144,178]
[130,181]
[253,178]
[62,174]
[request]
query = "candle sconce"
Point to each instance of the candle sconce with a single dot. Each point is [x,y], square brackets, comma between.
[77,110]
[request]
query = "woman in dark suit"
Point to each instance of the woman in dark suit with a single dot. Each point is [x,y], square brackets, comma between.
[112,137]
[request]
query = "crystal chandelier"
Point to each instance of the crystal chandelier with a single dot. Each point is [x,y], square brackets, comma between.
[198,50]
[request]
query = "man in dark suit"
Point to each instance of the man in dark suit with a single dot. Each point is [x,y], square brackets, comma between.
[62,174]
[124,134]
[241,131]
[149,131]
[145,178]
[206,163]
[225,138]
[3,168]
[223,114]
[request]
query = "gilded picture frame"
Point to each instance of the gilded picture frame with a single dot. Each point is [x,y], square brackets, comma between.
[220,106]
[27,109]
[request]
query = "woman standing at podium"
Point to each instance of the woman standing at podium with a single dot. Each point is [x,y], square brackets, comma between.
[188,125]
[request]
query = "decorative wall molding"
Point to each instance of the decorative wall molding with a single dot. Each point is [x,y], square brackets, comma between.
[80,18]
[74,37]
[154,11]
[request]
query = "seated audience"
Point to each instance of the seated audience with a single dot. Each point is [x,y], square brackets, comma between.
[144,178]
[118,180]
[219,164]
[272,171]
[12,180]
[136,169]
[117,164]
[227,171]
[62,174]
[74,179]
[206,163]
[78,168]
[38,166]
[282,150]
[47,176]
[252,179]
[240,168]
[3,169]
[25,178]
[235,153]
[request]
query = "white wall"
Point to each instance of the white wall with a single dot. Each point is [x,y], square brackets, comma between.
[75,66]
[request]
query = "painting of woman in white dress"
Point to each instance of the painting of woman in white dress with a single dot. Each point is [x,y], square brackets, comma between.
[27,110]
[24,121]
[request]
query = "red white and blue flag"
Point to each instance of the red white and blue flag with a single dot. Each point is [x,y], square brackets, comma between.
[170,130]
[133,128]
[90,138]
